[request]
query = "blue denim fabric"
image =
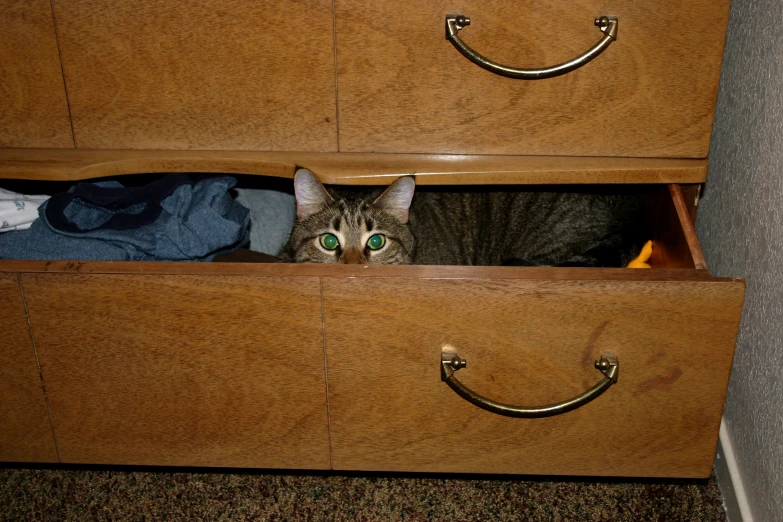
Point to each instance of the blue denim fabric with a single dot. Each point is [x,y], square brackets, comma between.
[196,222]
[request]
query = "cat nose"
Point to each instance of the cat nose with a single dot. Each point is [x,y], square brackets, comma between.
[353,256]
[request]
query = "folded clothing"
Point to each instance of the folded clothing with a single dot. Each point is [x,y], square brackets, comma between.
[18,211]
[272,216]
[172,219]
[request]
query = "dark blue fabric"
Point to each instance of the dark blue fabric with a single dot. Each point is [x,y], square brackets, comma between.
[172,219]
[123,208]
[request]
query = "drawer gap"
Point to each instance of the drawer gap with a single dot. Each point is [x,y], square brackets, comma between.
[666,216]
[674,237]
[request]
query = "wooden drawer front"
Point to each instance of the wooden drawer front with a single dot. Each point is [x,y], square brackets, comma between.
[25,430]
[404,88]
[33,107]
[182,370]
[531,342]
[231,74]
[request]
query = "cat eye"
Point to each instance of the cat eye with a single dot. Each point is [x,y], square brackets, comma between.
[329,241]
[376,241]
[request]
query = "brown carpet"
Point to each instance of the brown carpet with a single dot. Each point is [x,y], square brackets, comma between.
[55,494]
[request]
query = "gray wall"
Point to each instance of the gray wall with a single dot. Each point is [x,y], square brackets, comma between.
[740,223]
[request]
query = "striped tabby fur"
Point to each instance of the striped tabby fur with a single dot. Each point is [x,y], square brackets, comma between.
[472,226]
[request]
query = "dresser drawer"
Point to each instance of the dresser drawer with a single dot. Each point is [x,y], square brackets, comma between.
[229,75]
[403,87]
[529,342]
[532,337]
[186,370]
[239,75]
[222,364]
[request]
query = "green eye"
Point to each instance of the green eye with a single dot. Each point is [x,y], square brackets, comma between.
[376,241]
[329,241]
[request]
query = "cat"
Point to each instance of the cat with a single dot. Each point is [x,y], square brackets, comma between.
[476,226]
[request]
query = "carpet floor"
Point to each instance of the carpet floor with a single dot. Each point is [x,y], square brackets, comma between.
[54,494]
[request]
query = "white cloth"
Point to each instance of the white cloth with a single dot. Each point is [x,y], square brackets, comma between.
[18,211]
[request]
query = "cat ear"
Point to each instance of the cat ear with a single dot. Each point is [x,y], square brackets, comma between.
[397,198]
[311,195]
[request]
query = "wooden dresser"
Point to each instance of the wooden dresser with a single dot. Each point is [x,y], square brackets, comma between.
[342,367]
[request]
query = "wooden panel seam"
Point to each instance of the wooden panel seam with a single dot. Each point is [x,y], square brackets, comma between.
[62,71]
[34,109]
[326,371]
[38,365]
[336,86]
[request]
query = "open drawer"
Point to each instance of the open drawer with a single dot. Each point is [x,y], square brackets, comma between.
[228,364]
[532,337]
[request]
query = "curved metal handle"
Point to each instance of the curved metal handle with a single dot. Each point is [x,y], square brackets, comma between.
[451,362]
[455,23]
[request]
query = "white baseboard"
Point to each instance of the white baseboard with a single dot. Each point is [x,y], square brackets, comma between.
[730,480]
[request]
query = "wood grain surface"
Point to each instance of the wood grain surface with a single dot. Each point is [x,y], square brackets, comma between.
[404,88]
[675,244]
[352,169]
[231,74]
[686,224]
[33,104]
[183,370]
[353,271]
[25,430]
[529,343]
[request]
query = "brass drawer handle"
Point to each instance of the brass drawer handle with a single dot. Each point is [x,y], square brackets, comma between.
[451,362]
[455,23]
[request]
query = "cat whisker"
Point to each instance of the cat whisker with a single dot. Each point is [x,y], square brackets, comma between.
[407,255]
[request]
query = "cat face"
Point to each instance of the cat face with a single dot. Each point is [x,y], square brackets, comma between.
[350,230]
